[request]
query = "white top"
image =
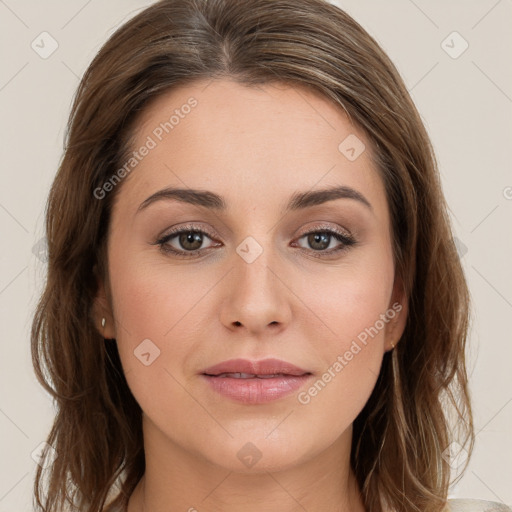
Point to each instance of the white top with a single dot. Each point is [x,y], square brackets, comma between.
[477,506]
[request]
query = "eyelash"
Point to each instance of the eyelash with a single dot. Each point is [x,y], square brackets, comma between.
[346,240]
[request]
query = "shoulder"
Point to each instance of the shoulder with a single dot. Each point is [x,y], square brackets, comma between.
[460,505]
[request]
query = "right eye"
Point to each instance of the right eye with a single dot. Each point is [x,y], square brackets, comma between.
[190,241]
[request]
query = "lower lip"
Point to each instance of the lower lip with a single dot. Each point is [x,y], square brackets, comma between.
[255,390]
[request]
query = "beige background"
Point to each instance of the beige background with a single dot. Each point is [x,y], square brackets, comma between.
[466,104]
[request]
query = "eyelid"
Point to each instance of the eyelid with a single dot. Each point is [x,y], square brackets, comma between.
[187,227]
[327,227]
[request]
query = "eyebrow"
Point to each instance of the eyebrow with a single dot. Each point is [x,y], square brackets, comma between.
[298,201]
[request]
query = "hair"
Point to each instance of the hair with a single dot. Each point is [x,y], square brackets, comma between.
[420,403]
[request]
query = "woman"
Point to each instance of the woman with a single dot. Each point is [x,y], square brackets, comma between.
[253,298]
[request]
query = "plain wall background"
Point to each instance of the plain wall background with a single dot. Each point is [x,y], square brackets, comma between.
[465,102]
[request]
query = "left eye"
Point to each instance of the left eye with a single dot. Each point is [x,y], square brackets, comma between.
[322,239]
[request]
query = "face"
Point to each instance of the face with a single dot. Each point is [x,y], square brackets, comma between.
[253,270]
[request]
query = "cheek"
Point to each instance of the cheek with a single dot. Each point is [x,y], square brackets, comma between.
[350,301]
[153,314]
[155,299]
[352,311]
[159,310]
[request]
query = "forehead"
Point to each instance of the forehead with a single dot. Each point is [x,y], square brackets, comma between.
[248,144]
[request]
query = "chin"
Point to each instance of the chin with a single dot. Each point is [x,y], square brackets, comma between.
[257,454]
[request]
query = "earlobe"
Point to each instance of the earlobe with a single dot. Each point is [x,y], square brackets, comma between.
[103,316]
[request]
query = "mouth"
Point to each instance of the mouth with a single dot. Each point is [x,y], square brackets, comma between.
[245,369]
[255,382]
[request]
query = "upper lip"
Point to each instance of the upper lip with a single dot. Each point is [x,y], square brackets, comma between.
[263,367]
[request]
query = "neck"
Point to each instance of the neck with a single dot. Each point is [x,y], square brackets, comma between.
[178,480]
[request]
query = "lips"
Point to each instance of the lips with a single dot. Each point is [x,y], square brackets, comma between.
[255,382]
[245,369]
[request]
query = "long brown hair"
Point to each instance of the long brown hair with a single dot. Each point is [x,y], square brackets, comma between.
[420,403]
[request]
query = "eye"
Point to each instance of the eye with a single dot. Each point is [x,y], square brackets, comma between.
[322,238]
[188,239]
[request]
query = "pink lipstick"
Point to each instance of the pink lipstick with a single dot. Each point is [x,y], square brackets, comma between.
[255,382]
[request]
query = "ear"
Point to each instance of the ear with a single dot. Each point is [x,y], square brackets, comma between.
[397,313]
[102,309]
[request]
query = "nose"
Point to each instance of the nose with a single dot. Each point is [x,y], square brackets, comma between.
[257,297]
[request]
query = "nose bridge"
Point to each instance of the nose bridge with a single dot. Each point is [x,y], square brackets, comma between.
[256,296]
[254,258]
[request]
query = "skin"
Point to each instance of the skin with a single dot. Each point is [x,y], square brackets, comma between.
[255,147]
